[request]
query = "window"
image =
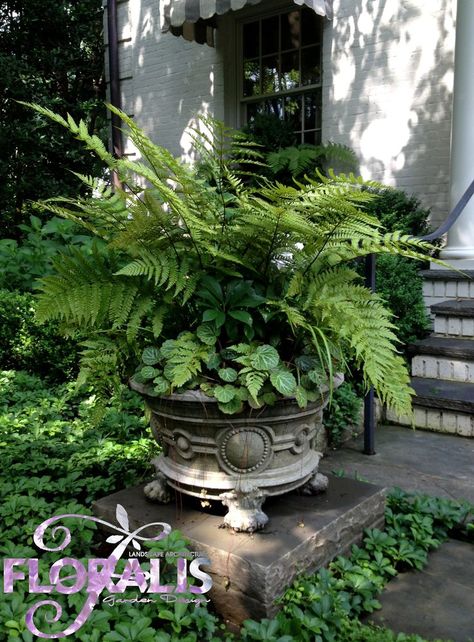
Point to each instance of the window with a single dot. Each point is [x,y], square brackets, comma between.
[281,70]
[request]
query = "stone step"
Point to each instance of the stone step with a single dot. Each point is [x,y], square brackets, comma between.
[446,395]
[442,285]
[454,347]
[443,358]
[442,406]
[436,420]
[458,308]
[454,318]
[435,367]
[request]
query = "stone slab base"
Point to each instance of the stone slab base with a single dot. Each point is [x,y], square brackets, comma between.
[250,571]
[454,423]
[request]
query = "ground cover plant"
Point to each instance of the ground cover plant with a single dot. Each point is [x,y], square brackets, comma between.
[56,460]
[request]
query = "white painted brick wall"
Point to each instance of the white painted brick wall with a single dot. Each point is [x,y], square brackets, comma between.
[437,291]
[167,81]
[387,88]
[388,75]
[453,326]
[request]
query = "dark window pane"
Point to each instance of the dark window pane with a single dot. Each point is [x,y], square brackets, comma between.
[312,138]
[290,74]
[311,66]
[252,110]
[312,110]
[274,106]
[293,113]
[270,74]
[251,40]
[251,78]
[290,30]
[270,35]
[310,27]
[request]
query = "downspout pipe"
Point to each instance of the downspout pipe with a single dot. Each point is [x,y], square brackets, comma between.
[114,77]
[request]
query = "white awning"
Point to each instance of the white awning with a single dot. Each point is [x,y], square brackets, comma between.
[193,19]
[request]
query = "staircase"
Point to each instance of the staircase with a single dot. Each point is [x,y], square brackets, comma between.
[443,364]
[446,285]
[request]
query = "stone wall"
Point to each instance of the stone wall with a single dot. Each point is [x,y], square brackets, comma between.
[387,87]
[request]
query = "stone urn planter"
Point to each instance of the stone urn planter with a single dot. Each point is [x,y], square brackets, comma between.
[239,460]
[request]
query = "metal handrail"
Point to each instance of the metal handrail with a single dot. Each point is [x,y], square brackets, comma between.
[369,400]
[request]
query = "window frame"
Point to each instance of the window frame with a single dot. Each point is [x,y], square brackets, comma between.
[261,13]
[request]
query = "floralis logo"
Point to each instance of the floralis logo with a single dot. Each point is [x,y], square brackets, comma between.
[101,574]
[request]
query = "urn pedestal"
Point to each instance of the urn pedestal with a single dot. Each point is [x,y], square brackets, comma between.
[239,460]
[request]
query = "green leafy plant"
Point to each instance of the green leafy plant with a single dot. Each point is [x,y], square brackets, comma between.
[27,345]
[212,273]
[23,262]
[343,412]
[270,132]
[398,280]
[294,162]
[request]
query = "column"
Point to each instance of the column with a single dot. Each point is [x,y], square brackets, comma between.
[459,250]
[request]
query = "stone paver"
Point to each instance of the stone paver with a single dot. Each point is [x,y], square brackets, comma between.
[415,460]
[437,602]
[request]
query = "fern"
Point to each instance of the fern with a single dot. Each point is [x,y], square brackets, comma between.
[298,160]
[173,229]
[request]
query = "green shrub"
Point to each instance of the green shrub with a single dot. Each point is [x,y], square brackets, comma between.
[27,345]
[23,262]
[397,210]
[342,413]
[398,280]
[399,283]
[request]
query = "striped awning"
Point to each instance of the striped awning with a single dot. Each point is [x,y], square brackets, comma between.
[196,19]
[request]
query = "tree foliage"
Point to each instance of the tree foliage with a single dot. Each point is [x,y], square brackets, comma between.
[51,52]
